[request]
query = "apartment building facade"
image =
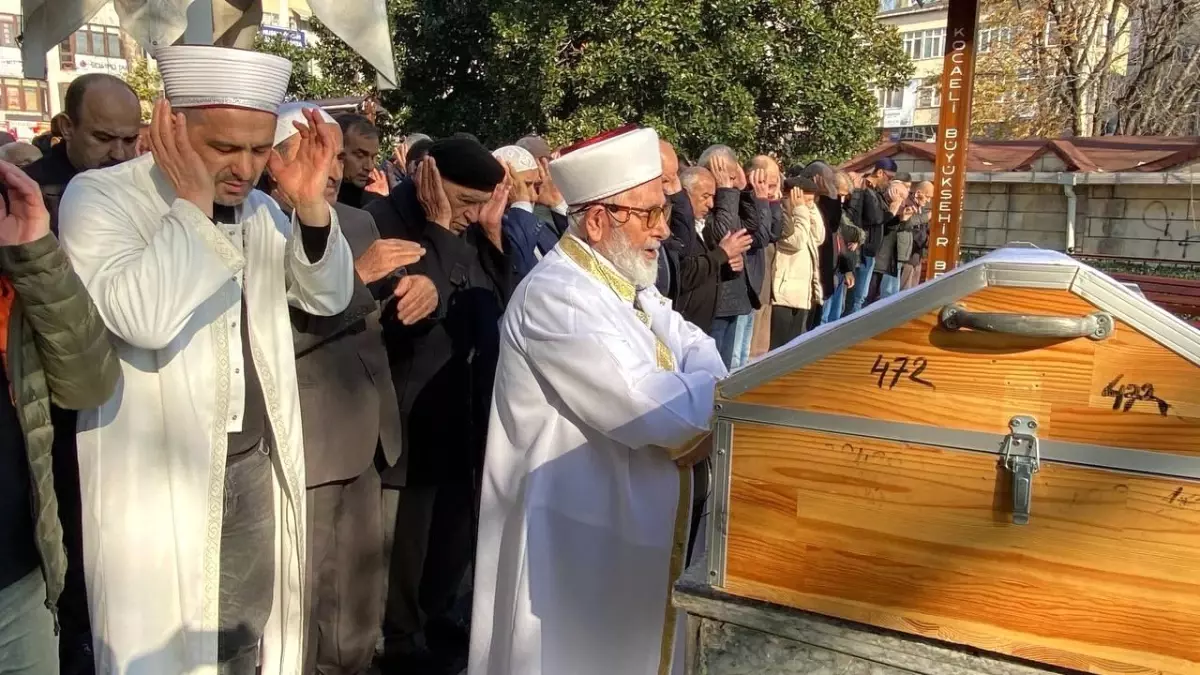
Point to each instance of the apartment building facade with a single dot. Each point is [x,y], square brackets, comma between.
[99,46]
[911,113]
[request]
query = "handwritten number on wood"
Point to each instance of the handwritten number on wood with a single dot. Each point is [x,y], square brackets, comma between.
[1125,396]
[899,367]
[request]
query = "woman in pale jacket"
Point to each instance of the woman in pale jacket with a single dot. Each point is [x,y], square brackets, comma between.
[796,289]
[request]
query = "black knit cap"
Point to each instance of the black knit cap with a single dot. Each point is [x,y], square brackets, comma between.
[465,162]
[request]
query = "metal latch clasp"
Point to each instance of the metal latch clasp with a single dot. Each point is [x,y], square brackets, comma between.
[1023,458]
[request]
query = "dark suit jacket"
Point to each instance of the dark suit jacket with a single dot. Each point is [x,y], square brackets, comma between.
[700,267]
[443,368]
[52,172]
[347,400]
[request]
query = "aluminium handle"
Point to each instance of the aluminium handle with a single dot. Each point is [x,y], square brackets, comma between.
[1096,326]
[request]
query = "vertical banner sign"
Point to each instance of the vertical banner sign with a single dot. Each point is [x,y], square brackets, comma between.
[954,128]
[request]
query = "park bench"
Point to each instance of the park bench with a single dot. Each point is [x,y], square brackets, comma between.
[1178,296]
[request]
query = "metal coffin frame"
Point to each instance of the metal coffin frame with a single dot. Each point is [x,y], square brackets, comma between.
[1020,268]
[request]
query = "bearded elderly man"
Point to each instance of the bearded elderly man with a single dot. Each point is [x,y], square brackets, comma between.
[603,402]
[193,473]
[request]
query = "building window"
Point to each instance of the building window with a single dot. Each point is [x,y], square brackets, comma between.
[888,5]
[25,95]
[10,28]
[924,44]
[891,99]
[929,97]
[270,19]
[95,40]
[989,36]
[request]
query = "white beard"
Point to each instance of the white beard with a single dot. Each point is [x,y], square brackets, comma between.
[630,261]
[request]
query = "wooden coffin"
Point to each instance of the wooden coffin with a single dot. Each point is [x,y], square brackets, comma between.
[940,465]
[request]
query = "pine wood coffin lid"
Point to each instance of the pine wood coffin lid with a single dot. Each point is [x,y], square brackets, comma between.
[1007,267]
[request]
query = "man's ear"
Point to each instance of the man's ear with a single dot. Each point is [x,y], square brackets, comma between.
[67,128]
[593,224]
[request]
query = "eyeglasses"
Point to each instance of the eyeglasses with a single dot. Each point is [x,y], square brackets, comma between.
[651,217]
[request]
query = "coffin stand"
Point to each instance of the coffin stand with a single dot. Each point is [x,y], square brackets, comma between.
[996,472]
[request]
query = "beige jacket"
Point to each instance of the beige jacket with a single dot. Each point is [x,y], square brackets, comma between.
[797,281]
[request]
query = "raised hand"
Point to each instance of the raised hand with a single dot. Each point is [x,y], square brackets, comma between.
[549,195]
[491,217]
[432,194]
[26,219]
[736,243]
[386,255]
[302,181]
[378,183]
[178,160]
[521,192]
[758,182]
[400,157]
[719,166]
[795,197]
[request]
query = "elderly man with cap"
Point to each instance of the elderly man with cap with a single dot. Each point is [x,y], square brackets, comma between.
[193,472]
[443,368]
[528,237]
[351,427]
[603,402]
[550,207]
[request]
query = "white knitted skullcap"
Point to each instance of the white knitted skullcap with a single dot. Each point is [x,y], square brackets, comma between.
[294,112]
[519,158]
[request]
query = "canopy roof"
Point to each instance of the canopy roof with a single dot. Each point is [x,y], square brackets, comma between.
[361,24]
[1090,154]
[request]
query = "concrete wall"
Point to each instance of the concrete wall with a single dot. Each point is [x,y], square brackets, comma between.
[1142,221]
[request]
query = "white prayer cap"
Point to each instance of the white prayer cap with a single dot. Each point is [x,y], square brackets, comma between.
[294,112]
[607,165]
[197,76]
[519,158]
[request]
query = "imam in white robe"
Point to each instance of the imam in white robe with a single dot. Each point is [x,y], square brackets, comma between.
[168,283]
[584,515]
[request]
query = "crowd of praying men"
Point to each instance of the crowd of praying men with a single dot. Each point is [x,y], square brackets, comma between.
[395,390]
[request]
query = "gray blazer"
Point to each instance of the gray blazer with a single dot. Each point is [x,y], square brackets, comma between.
[347,401]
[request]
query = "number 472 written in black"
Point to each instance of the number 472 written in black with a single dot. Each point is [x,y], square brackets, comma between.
[892,370]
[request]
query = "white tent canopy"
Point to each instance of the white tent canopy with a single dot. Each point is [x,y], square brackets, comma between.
[361,24]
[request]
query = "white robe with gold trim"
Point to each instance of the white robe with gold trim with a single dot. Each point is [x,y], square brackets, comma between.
[167,282]
[584,514]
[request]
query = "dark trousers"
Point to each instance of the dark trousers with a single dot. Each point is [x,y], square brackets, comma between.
[345,575]
[432,551]
[787,323]
[75,636]
[700,492]
[247,561]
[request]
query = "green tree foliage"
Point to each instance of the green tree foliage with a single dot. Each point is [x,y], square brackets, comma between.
[146,83]
[788,77]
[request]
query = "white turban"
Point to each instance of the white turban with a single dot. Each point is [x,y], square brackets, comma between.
[607,165]
[198,76]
